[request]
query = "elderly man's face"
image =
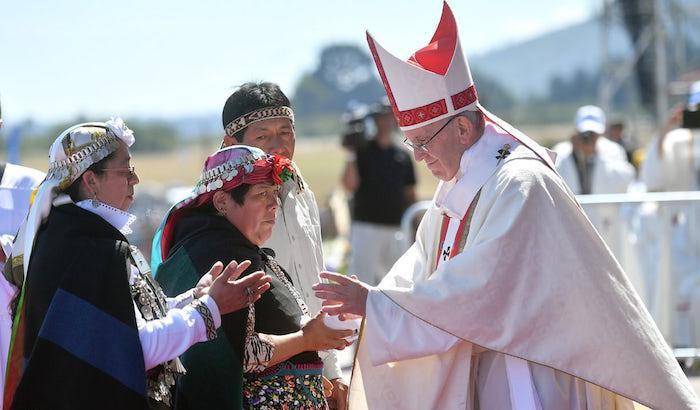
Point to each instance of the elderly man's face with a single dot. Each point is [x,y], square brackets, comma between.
[443,150]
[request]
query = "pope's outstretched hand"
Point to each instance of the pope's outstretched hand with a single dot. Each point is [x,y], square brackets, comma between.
[346,295]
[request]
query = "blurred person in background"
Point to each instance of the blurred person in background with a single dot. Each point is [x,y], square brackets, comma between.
[380,177]
[616,133]
[591,167]
[672,163]
[508,299]
[92,328]
[16,186]
[260,115]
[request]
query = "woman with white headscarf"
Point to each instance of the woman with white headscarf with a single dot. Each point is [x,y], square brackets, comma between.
[92,328]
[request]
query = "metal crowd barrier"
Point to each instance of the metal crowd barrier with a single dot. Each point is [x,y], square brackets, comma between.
[656,238]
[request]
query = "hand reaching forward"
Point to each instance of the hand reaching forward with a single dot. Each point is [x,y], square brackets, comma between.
[317,336]
[346,295]
[230,294]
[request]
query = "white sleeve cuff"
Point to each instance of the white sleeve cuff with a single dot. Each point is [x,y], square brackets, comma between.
[181,300]
[213,308]
[167,338]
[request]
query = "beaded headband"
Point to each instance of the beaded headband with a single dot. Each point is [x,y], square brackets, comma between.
[258,115]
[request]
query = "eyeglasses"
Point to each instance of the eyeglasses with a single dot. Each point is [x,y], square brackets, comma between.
[423,145]
[131,170]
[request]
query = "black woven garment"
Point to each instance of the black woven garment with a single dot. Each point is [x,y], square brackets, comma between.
[77,332]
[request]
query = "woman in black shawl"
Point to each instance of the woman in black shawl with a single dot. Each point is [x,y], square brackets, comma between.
[268,358]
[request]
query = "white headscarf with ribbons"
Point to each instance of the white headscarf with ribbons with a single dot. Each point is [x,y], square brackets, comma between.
[70,155]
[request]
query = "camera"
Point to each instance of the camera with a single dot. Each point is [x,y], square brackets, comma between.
[358,128]
[691,119]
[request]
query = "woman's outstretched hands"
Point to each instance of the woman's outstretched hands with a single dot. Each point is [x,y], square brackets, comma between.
[229,292]
[347,295]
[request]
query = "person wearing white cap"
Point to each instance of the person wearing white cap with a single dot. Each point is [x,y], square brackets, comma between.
[672,163]
[508,299]
[16,186]
[591,163]
[591,119]
[595,165]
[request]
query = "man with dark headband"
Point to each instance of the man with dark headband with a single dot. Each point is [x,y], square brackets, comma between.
[260,115]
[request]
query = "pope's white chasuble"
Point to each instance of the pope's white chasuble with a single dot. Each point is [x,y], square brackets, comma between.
[528,315]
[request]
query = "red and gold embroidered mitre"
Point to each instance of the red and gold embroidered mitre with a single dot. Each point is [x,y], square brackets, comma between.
[434,83]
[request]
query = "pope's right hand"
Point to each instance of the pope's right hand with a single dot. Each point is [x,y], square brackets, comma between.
[229,292]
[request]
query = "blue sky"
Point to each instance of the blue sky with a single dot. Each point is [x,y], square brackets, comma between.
[59,59]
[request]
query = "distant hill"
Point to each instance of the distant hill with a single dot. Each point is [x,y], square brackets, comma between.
[525,69]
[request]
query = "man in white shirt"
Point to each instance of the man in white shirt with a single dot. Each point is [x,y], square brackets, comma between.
[593,164]
[259,115]
[508,299]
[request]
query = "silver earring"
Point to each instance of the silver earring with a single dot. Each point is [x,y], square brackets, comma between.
[94,201]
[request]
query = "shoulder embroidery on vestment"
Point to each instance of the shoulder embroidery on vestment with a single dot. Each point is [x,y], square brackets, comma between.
[503,153]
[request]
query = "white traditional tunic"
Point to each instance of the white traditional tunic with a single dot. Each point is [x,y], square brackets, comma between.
[296,240]
[674,165]
[533,313]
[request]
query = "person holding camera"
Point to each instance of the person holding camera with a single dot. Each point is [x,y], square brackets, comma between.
[673,159]
[672,163]
[381,178]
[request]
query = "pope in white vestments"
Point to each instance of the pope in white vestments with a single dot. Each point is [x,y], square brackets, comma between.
[508,299]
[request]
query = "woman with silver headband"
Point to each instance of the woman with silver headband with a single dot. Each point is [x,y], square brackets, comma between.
[92,329]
